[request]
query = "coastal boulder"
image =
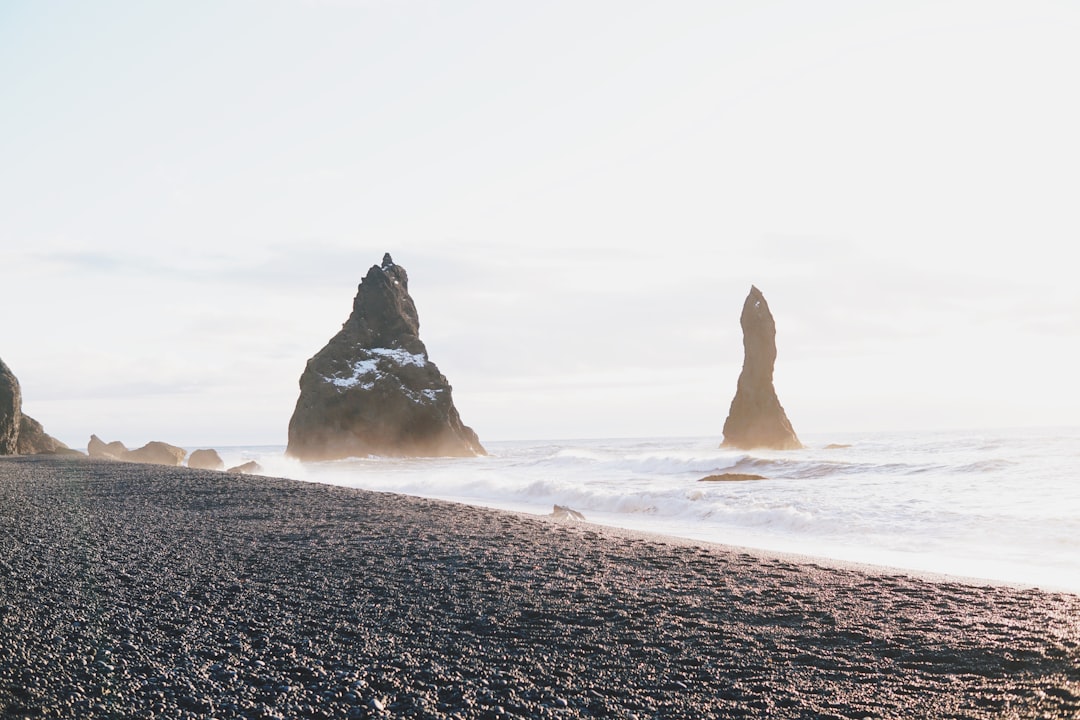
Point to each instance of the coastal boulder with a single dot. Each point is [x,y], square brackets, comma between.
[561,512]
[153,453]
[732,477]
[373,390]
[205,460]
[756,418]
[10,410]
[98,448]
[249,468]
[157,453]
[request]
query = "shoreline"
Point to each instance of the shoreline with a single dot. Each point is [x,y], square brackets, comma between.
[167,592]
[983,531]
[821,561]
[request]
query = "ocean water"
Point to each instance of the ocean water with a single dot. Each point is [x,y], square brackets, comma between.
[1001,505]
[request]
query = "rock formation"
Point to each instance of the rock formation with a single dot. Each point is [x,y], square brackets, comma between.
[157,453]
[372,390]
[561,512]
[249,468]
[19,433]
[153,453]
[205,460]
[98,448]
[10,410]
[33,440]
[756,418]
[732,477]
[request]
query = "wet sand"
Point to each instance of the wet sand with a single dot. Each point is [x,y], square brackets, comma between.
[140,591]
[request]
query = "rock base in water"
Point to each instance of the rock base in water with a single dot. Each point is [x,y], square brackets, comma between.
[732,477]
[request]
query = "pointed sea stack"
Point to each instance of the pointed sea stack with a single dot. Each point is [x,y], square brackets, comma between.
[372,390]
[756,418]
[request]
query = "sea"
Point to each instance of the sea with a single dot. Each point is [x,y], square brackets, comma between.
[995,505]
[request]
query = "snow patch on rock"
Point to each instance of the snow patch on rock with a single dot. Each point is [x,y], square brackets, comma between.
[360,370]
[400,357]
[365,372]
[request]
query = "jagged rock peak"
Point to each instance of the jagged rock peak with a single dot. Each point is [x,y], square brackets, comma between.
[756,418]
[372,390]
[382,309]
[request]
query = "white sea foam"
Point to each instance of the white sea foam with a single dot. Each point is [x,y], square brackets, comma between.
[1003,505]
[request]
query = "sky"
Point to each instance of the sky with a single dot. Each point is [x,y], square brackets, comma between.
[581,192]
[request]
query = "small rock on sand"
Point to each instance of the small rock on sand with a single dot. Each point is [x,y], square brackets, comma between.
[249,468]
[206,460]
[564,513]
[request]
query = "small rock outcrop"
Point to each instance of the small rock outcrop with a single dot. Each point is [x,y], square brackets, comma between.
[732,477]
[205,460]
[561,512]
[157,453]
[372,390]
[153,453]
[33,440]
[10,410]
[756,418]
[98,448]
[249,468]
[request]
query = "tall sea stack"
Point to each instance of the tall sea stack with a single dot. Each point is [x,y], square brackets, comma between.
[372,390]
[756,418]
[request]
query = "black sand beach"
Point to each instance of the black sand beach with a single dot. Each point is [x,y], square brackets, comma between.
[141,591]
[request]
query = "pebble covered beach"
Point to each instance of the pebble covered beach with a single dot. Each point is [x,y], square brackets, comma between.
[131,590]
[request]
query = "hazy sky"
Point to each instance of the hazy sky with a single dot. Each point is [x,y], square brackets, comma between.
[582,194]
